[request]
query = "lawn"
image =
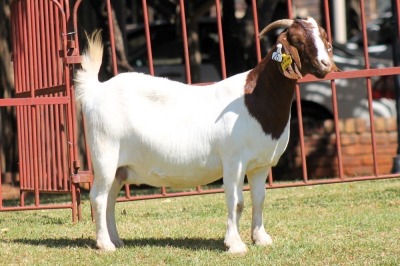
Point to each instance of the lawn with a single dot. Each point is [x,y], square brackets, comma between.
[341,224]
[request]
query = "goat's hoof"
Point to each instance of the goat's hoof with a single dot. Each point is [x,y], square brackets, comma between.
[105,246]
[262,239]
[238,249]
[118,243]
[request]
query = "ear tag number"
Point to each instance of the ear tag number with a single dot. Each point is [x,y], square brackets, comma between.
[277,56]
[286,61]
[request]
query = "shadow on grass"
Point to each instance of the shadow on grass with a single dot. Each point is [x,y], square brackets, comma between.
[182,243]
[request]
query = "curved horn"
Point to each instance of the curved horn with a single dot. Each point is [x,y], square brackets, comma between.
[276,24]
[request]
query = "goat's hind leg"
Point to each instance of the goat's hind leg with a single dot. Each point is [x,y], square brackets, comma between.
[120,178]
[99,199]
[124,175]
[104,189]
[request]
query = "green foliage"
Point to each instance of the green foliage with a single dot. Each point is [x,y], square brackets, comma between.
[342,224]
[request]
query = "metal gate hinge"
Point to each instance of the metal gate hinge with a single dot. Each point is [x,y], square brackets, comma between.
[76,164]
[73,59]
[81,178]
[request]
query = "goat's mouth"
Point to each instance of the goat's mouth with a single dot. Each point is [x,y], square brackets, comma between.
[321,68]
[319,73]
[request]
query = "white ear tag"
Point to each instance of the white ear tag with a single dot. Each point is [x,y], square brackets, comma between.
[277,56]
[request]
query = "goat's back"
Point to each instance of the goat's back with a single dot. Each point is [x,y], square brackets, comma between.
[135,101]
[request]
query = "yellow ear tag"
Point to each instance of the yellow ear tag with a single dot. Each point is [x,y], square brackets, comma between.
[286,61]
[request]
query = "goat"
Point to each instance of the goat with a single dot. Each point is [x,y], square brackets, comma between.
[150,130]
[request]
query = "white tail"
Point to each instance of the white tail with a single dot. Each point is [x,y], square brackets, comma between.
[91,62]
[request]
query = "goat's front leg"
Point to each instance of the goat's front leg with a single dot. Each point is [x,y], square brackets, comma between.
[257,190]
[233,185]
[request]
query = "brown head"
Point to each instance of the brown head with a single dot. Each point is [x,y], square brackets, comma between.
[307,45]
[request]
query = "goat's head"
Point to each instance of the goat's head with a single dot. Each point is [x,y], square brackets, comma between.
[306,46]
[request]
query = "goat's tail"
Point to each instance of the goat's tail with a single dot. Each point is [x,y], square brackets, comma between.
[91,62]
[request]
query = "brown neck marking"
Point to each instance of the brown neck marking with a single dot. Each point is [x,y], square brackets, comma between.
[268,96]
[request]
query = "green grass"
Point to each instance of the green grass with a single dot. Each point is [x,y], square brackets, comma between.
[342,224]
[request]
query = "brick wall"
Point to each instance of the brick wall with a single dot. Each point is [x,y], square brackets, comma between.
[356,145]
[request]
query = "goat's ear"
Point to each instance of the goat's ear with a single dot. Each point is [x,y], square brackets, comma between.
[293,70]
[335,68]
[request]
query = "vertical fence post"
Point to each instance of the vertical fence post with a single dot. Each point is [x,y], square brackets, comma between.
[111,32]
[396,62]
[1,176]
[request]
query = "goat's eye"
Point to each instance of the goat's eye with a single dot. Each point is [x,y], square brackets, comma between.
[329,47]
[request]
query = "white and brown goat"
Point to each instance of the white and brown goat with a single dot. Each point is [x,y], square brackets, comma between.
[150,130]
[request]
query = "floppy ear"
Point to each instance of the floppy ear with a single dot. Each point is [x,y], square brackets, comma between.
[335,68]
[292,71]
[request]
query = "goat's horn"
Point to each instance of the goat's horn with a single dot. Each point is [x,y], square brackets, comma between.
[276,24]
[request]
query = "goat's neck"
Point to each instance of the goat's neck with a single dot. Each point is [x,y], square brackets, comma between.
[269,96]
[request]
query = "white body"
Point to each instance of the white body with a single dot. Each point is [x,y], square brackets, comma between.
[148,130]
[171,134]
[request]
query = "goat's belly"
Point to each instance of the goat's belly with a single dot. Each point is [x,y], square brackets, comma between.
[180,160]
[173,170]
[174,176]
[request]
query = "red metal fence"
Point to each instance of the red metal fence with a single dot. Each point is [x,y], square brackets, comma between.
[45,50]
[43,99]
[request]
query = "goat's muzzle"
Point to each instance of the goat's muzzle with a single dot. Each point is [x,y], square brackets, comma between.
[320,68]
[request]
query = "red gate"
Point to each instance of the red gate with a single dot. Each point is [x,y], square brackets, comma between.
[44,104]
[45,49]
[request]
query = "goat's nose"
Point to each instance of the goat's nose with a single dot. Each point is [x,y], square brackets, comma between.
[326,63]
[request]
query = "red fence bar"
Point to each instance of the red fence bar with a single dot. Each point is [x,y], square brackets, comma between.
[220,38]
[75,25]
[353,74]
[369,86]
[1,176]
[299,116]
[33,101]
[256,30]
[397,8]
[301,134]
[148,39]
[111,29]
[185,42]
[334,100]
